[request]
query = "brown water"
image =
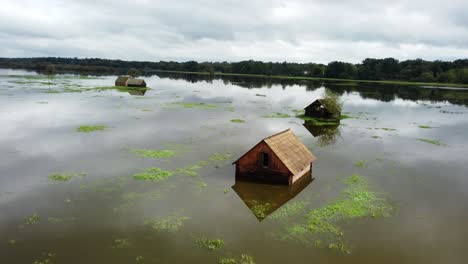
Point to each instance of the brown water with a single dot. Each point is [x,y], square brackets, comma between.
[100,218]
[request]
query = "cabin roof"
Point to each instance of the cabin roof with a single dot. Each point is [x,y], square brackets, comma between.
[132,81]
[122,79]
[318,101]
[290,150]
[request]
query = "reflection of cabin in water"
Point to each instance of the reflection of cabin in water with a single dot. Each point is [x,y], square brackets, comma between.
[281,158]
[318,109]
[137,92]
[129,82]
[264,199]
[320,130]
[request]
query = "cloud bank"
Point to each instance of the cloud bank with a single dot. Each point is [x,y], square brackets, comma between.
[225,30]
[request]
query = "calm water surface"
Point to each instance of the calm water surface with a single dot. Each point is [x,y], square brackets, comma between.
[103,217]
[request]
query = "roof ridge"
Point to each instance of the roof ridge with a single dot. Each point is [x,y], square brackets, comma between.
[277,134]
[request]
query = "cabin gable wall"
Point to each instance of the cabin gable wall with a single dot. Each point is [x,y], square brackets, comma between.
[252,165]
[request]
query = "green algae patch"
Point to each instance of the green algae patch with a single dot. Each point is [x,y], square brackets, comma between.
[202,184]
[376,137]
[289,210]
[432,141]
[220,156]
[191,105]
[46,258]
[130,199]
[211,244]
[360,164]
[31,220]
[243,259]
[90,128]
[189,170]
[237,121]
[58,220]
[170,223]
[63,177]
[425,127]
[276,115]
[153,174]
[120,243]
[149,153]
[321,226]
[259,209]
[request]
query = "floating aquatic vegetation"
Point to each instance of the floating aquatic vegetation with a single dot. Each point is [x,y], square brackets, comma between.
[91,128]
[31,220]
[226,191]
[202,185]
[237,121]
[230,108]
[189,170]
[149,153]
[139,259]
[120,243]
[57,220]
[170,223]
[211,244]
[360,164]
[146,110]
[289,210]
[376,137]
[321,224]
[243,259]
[432,141]
[130,199]
[220,156]
[276,115]
[425,127]
[192,105]
[47,258]
[65,176]
[259,209]
[260,95]
[153,174]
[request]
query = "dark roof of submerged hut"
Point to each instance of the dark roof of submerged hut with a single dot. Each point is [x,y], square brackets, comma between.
[122,79]
[289,149]
[136,82]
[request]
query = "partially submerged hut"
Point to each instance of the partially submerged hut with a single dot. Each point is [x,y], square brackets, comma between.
[136,83]
[264,199]
[129,82]
[280,158]
[121,81]
[318,109]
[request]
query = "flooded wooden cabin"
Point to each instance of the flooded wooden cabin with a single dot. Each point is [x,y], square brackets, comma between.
[129,82]
[318,109]
[281,158]
[121,81]
[265,199]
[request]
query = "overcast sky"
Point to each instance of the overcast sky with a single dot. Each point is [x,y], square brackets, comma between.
[228,30]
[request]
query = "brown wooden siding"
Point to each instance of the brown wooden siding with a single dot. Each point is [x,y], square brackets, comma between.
[251,165]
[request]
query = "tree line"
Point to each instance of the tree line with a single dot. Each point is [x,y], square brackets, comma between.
[417,70]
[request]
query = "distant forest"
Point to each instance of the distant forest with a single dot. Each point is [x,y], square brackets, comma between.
[370,69]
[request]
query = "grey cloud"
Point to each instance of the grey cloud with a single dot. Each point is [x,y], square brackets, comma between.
[233,30]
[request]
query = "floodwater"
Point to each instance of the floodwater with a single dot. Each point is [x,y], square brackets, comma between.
[409,144]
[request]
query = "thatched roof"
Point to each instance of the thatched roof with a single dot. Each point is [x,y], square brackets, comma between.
[290,150]
[132,81]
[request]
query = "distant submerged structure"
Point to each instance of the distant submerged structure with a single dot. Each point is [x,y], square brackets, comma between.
[318,109]
[129,82]
[281,158]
